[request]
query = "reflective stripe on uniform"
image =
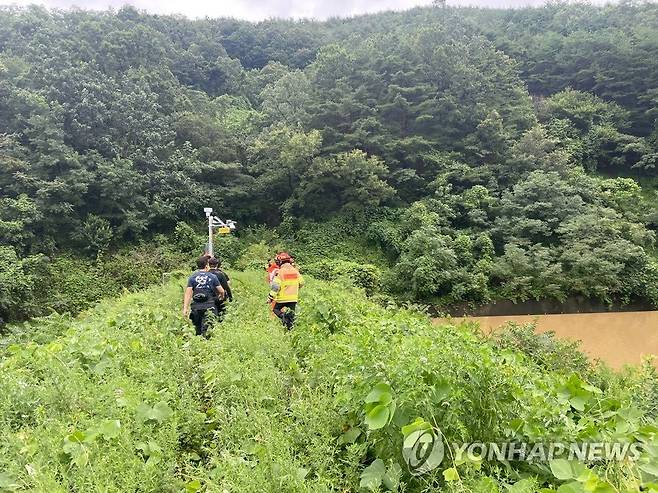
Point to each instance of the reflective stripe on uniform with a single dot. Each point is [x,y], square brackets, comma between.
[288,287]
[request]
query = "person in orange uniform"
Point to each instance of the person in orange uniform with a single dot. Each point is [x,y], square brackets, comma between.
[284,290]
[270,271]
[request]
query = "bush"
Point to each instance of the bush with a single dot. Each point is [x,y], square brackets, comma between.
[74,284]
[68,284]
[18,283]
[335,239]
[138,268]
[187,240]
[255,257]
[228,248]
[543,349]
[366,276]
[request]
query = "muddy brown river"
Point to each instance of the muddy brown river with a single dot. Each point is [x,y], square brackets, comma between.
[618,338]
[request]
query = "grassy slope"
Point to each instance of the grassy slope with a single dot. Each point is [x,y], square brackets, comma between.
[232,397]
[257,409]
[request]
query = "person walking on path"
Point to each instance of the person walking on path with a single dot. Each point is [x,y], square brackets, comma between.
[284,290]
[201,295]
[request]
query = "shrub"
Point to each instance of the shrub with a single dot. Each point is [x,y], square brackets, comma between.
[228,248]
[186,239]
[18,282]
[543,349]
[255,257]
[366,276]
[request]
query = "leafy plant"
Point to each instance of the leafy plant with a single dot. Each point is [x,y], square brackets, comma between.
[380,406]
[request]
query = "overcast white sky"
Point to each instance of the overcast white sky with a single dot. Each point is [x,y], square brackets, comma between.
[262,9]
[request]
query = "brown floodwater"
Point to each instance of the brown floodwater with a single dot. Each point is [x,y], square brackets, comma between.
[618,338]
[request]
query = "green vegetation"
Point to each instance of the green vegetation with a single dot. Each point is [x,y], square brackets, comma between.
[124,397]
[437,155]
[37,285]
[462,149]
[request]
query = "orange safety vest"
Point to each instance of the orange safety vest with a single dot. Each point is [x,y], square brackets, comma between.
[286,284]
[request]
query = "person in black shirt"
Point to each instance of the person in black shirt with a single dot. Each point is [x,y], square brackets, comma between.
[224,281]
[203,290]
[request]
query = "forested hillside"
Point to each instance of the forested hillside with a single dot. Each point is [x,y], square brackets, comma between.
[436,156]
[475,154]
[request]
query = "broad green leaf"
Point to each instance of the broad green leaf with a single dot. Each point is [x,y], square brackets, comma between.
[154,459]
[417,438]
[378,393]
[81,459]
[162,411]
[400,417]
[373,475]
[578,401]
[143,412]
[154,453]
[561,469]
[651,450]
[417,424]
[648,429]
[572,487]
[522,486]
[154,448]
[440,392]
[580,471]
[151,451]
[516,424]
[100,367]
[487,485]
[378,417]
[391,411]
[592,388]
[110,429]
[392,477]
[76,437]
[91,435]
[600,487]
[71,448]
[650,468]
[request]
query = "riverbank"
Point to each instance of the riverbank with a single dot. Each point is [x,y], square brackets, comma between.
[617,338]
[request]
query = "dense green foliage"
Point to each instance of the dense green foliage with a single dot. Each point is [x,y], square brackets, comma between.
[463,144]
[449,155]
[124,397]
[37,285]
